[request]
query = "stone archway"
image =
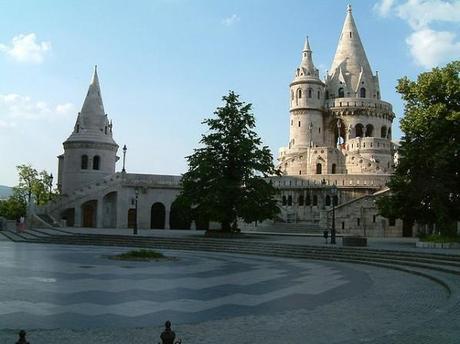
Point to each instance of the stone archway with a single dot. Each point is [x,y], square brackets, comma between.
[157,216]
[89,214]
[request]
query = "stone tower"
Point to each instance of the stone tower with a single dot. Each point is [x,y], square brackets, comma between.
[90,151]
[339,126]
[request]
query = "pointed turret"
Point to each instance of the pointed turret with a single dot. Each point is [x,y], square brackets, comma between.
[307,68]
[92,122]
[90,151]
[351,62]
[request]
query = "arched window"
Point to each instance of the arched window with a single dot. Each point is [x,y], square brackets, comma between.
[84,162]
[289,200]
[369,130]
[335,200]
[315,200]
[284,200]
[362,92]
[319,168]
[309,93]
[334,168]
[359,130]
[96,162]
[389,133]
[319,94]
[308,200]
[383,132]
[299,93]
[327,94]
[328,200]
[78,128]
[301,200]
[341,93]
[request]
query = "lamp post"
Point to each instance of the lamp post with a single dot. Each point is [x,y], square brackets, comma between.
[50,185]
[124,158]
[334,193]
[135,213]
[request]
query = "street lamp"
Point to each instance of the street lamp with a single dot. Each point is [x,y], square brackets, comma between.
[135,213]
[50,184]
[124,158]
[334,194]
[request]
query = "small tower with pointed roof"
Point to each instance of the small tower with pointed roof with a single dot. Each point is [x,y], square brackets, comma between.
[90,151]
[306,101]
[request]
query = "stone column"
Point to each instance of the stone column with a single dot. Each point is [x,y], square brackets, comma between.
[99,214]
[167,211]
[77,220]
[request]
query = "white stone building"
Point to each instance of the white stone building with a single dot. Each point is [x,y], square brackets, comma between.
[340,134]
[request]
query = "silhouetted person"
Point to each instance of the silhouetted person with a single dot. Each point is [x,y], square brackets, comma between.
[168,335]
[22,338]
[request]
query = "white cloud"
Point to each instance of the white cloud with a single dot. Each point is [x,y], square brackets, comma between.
[16,109]
[25,48]
[383,7]
[428,47]
[431,48]
[231,20]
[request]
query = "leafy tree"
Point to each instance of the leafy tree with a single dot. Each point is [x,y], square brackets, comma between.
[426,183]
[225,177]
[33,184]
[14,207]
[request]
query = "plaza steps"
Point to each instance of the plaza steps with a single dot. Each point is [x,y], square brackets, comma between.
[289,228]
[440,262]
[428,265]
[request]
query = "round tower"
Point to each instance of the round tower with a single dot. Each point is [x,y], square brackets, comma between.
[306,103]
[90,151]
[359,119]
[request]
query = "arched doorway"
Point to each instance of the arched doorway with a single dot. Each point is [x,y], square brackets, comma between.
[131,218]
[157,216]
[359,130]
[89,213]
[180,216]
[319,168]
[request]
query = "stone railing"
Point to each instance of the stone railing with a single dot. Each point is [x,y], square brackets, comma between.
[340,180]
[358,103]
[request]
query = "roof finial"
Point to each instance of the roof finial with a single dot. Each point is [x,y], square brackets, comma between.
[306,46]
[349,8]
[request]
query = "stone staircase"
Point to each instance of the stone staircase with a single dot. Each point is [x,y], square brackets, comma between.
[289,228]
[412,262]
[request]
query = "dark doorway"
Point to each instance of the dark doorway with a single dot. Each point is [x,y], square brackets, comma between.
[89,214]
[157,216]
[131,218]
[69,216]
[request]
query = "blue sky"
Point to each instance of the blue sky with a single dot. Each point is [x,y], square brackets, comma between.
[165,64]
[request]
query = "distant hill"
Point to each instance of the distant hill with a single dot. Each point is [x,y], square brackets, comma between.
[5,191]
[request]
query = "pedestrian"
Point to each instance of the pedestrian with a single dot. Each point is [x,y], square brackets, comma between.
[22,224]
[22,338]
[168,335]
[325,235]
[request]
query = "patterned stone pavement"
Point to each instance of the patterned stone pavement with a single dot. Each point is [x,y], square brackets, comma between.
[75,294]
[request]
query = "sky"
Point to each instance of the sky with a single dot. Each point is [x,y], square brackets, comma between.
[164,66]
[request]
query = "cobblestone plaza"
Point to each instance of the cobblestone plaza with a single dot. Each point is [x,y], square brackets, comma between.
[76,294]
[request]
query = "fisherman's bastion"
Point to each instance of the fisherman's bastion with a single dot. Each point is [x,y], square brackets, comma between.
[339,157]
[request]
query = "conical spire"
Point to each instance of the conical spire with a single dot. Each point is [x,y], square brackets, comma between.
[350,55]
[307,68]
[93,106]
[92,123]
